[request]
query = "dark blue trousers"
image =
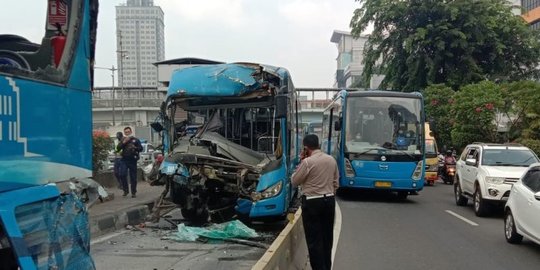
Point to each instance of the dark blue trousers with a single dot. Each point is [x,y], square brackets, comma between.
[117,169]
[129,168]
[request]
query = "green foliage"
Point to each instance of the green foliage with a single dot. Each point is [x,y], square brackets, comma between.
[532,144]
[474,110]
[101,144]
[523,101]
[438,104]
[473,113]
[455,42]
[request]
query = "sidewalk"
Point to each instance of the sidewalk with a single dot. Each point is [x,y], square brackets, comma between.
[115,214]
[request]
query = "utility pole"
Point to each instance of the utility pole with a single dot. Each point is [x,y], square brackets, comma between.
[122,55]
[112,69]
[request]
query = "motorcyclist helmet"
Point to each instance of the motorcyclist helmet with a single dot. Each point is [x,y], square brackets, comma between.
[448,152]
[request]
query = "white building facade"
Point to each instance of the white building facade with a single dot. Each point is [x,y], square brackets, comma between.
[349,60]
[140,42]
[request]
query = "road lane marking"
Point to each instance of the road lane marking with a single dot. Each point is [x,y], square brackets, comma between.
[107,237]
[462,218]
[337,232]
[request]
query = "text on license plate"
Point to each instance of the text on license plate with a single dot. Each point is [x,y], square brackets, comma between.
[383,184]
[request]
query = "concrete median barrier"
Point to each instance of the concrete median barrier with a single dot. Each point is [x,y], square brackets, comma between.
[289,250]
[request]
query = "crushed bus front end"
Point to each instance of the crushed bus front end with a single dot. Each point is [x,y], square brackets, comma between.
[234,164]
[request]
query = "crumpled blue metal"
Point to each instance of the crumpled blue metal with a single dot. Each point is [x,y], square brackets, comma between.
[63,230]
[223,80]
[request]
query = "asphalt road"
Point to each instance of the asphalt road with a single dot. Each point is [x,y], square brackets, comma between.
[146,248]
[423,232]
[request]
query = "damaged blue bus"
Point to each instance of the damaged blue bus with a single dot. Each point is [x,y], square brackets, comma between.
[239,161]
[46,138]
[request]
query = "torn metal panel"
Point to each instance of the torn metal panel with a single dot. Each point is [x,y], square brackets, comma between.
[225,80]
[235,151]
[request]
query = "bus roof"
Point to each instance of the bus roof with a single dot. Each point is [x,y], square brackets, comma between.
[383,93]
[223,80]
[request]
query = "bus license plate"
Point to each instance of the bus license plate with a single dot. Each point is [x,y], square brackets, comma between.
[383,184]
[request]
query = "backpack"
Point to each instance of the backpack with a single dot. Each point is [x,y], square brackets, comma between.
[130,150]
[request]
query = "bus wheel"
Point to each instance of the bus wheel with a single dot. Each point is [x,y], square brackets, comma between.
[402,195]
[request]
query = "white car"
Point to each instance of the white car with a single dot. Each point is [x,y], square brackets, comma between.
[145,156]
[522,211]
[485,173]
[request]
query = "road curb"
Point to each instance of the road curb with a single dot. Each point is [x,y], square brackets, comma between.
[289,250]
[102,224]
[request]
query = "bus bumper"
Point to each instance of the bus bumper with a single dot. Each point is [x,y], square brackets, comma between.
[382,184]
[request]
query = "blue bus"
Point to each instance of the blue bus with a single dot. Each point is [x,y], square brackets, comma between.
[46,138]
[377,138]
[239,160]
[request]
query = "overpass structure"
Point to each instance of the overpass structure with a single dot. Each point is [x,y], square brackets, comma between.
[313,101]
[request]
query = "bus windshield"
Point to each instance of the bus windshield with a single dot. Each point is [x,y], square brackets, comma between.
[391,124]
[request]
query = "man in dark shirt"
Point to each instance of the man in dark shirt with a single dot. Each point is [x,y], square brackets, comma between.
[130,147]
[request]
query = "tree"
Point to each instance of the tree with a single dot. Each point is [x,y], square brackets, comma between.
[101,144]
[438,103]
[474,111]
[455,42]
[522,100]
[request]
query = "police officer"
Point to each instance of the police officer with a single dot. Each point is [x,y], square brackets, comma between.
[318,175]
[130,147]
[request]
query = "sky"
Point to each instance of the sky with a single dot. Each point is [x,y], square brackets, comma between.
[294,34]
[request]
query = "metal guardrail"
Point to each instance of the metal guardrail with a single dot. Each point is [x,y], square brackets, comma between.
[108,103]
[103,98]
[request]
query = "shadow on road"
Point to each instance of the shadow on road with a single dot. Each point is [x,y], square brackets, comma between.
[373,196]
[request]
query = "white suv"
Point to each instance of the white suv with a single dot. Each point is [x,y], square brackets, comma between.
[486,173]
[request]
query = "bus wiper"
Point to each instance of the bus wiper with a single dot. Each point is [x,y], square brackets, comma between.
[367,150]
[403,152]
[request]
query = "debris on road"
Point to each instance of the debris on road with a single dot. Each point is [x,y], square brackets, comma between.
[228,230]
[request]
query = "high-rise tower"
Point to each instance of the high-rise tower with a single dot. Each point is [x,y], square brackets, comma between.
[139,42]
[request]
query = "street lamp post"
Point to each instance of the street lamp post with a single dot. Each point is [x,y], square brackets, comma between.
[112,69]
[121,75]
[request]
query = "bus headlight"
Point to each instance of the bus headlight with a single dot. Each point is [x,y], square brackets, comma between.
[349,171]
[269,192]
[417,174]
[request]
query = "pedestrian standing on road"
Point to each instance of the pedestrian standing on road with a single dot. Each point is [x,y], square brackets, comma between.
[318,175]
[118,169]
[130,147]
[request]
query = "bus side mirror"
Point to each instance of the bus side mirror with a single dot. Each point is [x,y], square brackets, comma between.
[157,127]
[337,125]
[281,106]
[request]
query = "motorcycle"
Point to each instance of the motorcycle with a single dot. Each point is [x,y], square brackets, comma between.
[449,171]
